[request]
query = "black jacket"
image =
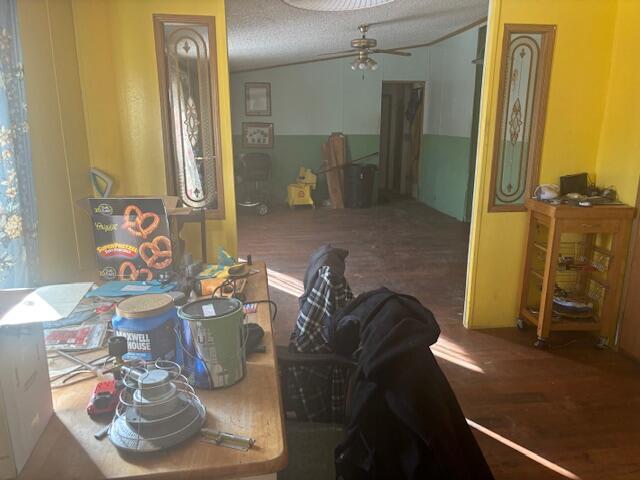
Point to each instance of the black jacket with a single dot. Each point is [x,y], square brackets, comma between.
[404,421]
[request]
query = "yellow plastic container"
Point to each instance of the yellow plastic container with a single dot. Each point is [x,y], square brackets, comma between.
[299,193]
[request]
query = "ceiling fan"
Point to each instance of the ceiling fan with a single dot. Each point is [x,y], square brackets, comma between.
[363,47]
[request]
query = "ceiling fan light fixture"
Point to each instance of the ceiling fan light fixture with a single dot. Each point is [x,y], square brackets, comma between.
[335,5]
[364,64]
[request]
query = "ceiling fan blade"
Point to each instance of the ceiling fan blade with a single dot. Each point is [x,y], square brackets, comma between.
[391,52]
[353,50]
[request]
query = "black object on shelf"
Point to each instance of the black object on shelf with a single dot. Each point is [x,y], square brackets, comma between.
[359,181]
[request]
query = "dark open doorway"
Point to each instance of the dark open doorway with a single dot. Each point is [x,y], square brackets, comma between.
[479,63]
[402,108]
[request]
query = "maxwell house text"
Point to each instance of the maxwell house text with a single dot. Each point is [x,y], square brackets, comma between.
[136,342]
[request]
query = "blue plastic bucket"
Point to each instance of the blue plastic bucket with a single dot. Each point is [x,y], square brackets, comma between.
[148,323]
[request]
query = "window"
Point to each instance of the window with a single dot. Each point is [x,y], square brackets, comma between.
[187,73]
[18,218]
[522,97]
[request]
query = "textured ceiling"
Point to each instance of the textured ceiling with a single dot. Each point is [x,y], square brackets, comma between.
[335,5]
[264,33]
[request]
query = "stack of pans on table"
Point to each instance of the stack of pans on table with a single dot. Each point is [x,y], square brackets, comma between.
[158,409]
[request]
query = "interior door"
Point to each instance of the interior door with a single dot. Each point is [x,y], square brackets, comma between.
[415,111]
[400,137]
[630,329]
[385,139]
[475,120]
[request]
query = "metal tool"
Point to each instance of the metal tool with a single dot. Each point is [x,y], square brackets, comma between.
[102,433]
[74,370]
[92,368]
[229,440]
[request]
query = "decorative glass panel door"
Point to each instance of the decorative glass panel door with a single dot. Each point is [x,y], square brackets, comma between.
[525,70]
[188,89]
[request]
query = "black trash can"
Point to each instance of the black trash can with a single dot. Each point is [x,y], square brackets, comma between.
[359,182]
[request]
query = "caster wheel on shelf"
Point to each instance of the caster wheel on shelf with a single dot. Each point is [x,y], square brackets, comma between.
[521,324]
[541,343]
[603,343]
[263,209]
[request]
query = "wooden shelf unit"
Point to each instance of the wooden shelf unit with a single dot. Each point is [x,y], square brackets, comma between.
[580,250]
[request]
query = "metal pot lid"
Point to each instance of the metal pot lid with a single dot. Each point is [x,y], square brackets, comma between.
[210,308]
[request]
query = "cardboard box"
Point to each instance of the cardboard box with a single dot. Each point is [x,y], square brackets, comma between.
[25,395]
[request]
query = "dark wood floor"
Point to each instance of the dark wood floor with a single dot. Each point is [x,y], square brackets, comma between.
[569,412]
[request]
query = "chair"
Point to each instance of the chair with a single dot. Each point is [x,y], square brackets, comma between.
[312,443]
[314,379]
[401,414]
[252,172]
[287,359]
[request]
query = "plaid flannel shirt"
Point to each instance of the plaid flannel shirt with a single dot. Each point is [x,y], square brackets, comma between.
[318,393]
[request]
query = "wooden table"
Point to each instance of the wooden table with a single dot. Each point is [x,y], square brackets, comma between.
[252,407]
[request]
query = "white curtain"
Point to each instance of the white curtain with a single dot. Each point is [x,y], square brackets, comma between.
[18,248]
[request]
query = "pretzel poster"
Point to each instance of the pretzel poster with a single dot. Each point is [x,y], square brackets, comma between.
[132,238]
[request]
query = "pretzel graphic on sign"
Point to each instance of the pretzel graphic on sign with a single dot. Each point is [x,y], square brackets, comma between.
[157,253]
[134,221]
[128,271]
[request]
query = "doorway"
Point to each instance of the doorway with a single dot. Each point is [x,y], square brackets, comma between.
[629,334]
[402,108]
[475,120]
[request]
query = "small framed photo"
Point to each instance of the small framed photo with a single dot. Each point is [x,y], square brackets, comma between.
[257,99]
[257,135]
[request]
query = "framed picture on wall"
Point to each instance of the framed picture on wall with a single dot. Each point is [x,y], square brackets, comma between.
[257,99]
[257,135]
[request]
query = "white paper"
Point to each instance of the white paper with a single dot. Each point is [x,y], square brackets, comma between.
[208,310]
[135,288]
[47,304]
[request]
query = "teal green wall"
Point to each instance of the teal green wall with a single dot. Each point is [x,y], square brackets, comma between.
[444,165]
[309,101]
[290,152]
[444,173]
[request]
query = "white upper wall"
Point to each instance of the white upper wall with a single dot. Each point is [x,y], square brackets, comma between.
[450,85]
[324,97]
[304,98]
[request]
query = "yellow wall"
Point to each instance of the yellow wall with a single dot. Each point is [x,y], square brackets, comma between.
[117,60]
[93,31]
[58,139]
[576,105]
[619,153]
